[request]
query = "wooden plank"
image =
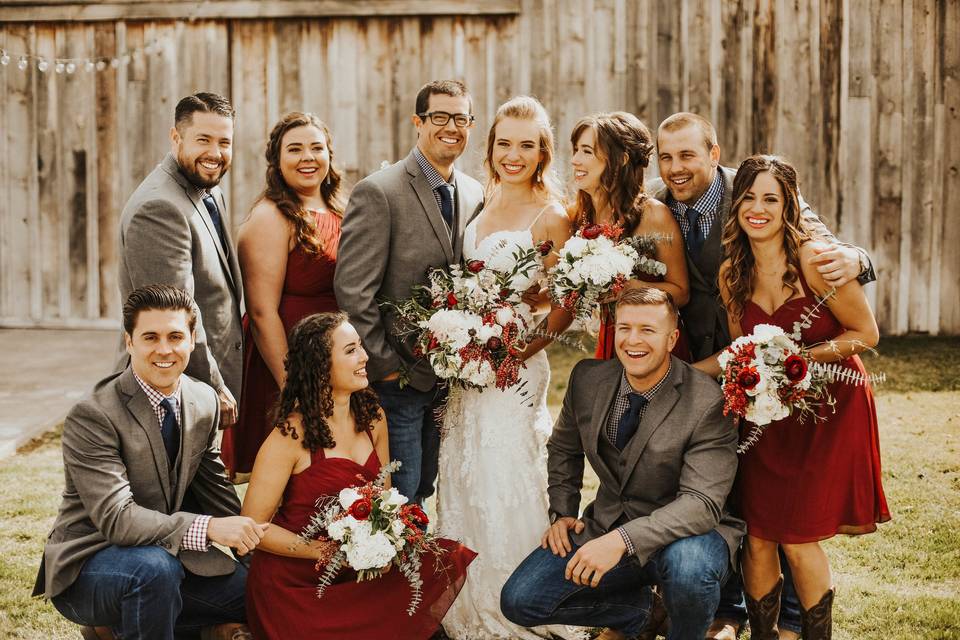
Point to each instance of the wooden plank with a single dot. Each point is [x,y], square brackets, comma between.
[888,134]
[764,78]
[110,200]
[407,80]
[668,58]
[248,55]
[696,62]
[949,44]
[375,143]
[481,78]
[829,65]
[288,35]
[91,10]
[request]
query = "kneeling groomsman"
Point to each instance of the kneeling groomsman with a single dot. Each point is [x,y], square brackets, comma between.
[653,429]
[146,494]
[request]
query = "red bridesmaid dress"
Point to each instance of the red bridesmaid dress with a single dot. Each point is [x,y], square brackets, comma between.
[307,289]
[808,481]
[282,598]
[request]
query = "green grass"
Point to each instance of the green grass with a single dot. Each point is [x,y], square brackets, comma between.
[901,583]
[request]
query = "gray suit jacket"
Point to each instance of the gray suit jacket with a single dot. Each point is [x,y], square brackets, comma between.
[167,237]
[120,489]
[704,316]
[673,478]
[392,234]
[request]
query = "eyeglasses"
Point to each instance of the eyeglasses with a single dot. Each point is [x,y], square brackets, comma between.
[441,118]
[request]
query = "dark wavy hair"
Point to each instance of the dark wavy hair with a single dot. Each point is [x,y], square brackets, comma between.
[308,390]
[742,271]
[624,144]
[284,196]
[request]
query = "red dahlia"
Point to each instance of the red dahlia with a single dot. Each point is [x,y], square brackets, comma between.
[361,509]
[795,367]
[591,231]
[748,378]
[475,266]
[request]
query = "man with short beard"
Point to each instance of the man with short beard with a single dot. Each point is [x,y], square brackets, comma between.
[174,231]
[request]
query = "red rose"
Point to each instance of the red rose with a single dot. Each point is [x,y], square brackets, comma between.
[505,293]
[545,247]
[451,300]
[475,266]
[415,514]
[748,378]
[795,367]
[361,509]
[494,343]
[591,231]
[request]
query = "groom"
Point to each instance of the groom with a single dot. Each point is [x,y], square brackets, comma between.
[653,429]
[401,222]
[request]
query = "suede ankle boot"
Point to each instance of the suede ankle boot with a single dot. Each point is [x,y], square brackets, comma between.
[817,621]
[763,614]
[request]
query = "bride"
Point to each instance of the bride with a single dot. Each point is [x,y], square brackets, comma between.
[493,480]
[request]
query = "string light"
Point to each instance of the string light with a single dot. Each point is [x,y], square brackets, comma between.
[72,65]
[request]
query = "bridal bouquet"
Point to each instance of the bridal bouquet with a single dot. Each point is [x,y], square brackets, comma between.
[368,529]
[470,321]
[595,263]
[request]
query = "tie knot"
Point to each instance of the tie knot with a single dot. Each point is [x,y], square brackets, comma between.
[167,405]
[637,401]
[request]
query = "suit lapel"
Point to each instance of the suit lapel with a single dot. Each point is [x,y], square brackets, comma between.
[208,223]
[464,215]
[604,390]
[143,414]
[187,434]
[232,260]
[429,203]
[656,412]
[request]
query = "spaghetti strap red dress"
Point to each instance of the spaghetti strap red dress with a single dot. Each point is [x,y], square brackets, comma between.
[282,598]
[808,481]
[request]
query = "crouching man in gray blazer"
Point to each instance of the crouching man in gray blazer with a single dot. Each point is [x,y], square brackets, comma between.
[146,494]
[653,429]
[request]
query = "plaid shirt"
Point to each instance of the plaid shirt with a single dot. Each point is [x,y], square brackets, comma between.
[195,539]
[435,180]
[620,406]
[706,205]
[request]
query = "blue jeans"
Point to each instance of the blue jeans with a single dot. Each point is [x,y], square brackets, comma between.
[144,592]
[414,436]
[689,571]
[733,607]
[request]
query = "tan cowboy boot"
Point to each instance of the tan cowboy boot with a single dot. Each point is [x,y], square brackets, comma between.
[228,631]
[763,614]
[723,629]
[817,621]
[610,634]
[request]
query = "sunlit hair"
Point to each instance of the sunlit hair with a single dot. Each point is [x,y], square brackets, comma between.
[741,273]
[158,297]
[649,296]
[544,180]
[284,196]
[683,120]
[452,88]
[624,145]
[202,102]
[308,390]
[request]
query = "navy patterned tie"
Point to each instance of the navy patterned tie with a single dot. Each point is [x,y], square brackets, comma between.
[446,204]
[630,420]
[694,237]
[214,212]
[170,431]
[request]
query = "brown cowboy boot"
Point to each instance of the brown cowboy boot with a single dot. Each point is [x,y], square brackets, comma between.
[763,614]
[657,620]
[96,633]
[817,621]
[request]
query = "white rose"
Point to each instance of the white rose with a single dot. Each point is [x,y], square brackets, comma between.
[370,552]
[504,316]
[574,247]
[348,496]
[393,497]
[398,527]
[338,529]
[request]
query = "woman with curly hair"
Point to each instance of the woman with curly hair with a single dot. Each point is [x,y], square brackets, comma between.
[287,248]
[801,482]
[611,152]
[330,434]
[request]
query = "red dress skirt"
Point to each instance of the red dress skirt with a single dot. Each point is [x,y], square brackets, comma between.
[808,481]
[307,289]
[281,592]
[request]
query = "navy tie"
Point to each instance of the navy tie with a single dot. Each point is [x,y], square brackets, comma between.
[170,431]
[694,237]
[446,204]
[214,212]
[630,420]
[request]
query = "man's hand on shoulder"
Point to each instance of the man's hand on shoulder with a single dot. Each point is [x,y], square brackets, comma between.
[837,263]
[228,408]
[594,559]
[557,537]
[237,532]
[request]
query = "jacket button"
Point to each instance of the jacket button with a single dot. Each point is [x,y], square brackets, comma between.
[238,346]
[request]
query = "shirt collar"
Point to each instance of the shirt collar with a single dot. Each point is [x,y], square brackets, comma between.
[705,204]
[626,388]
[434,179]
[154,396]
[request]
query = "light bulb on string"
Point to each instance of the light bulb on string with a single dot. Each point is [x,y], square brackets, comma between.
[4,58]
[101,65]
[22,63]
[115,63]
[89,66]
[59,67]
[43,65]
[71,67]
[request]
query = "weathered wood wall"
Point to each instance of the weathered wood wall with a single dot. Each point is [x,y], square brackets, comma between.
[863,95]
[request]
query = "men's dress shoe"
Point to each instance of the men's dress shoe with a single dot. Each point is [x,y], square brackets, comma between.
[723,629]
[610,634]
[96,633]
[228,631]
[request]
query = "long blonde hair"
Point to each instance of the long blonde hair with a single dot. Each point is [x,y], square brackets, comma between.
[545,181]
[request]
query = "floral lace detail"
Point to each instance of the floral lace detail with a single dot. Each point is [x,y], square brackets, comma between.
[493,480]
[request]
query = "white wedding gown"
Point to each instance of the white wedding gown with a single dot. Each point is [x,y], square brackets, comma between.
[492,485]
